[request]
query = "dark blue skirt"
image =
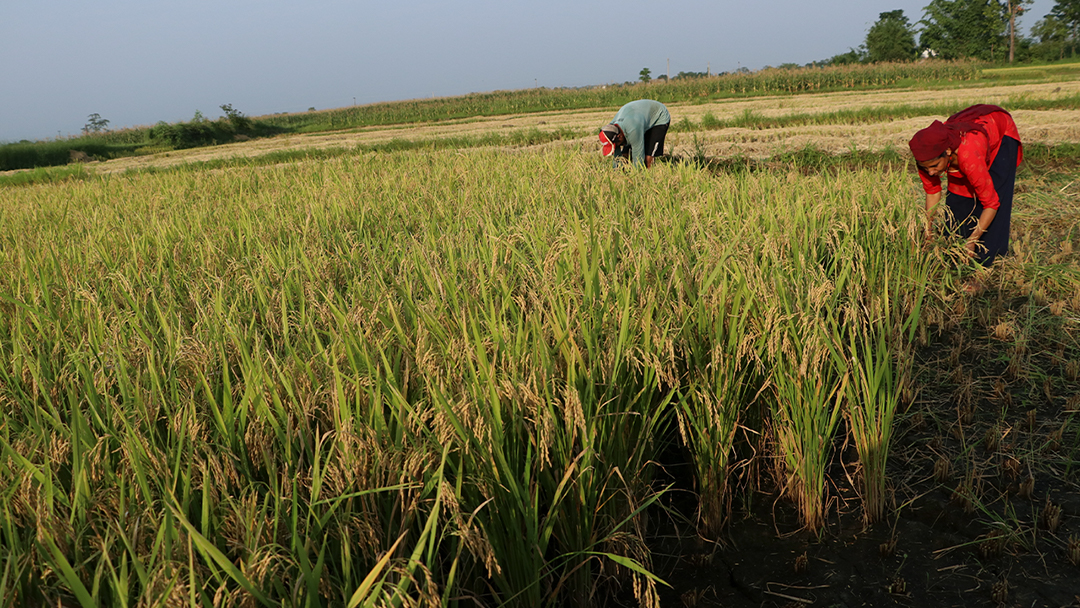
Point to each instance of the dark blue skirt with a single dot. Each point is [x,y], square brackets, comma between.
[965,210]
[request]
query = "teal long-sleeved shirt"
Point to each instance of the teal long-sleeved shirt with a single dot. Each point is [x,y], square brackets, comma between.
[637,117]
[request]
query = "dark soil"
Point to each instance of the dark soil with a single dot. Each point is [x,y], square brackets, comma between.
[984,472]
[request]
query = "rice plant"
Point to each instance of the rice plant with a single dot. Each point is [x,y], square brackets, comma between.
[418,377]
[724,363]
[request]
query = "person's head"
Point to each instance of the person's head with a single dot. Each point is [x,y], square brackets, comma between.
[938,164]
[612,138]
[933,147]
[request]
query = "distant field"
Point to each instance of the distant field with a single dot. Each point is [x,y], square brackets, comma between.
[468,363]
[1033,72]
[575,129]
[199,132]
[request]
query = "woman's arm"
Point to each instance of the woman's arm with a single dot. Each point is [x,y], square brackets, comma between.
[987,216]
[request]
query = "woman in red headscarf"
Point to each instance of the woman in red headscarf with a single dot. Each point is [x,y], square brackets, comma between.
[979,150]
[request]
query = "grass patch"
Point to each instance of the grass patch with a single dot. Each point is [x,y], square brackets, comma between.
[520,138]
[132,142]
[45,175]
[749,119]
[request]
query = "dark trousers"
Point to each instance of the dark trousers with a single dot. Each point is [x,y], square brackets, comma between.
[965,210]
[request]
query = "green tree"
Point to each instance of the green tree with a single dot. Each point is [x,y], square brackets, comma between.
[1051,36]
[1013,8]
[95,124]
[1067,13]
[852,56]
[892,38]
[958,29]
[236,118]
[645,75]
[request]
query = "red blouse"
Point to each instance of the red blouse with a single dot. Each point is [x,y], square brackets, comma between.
[975,154]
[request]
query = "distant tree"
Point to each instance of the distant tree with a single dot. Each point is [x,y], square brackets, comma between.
[1051,38]
[645,75]
[852,56]
[95,124]
[892,38]
[966,28]
[1013,8]
[236,118]
[1067,12]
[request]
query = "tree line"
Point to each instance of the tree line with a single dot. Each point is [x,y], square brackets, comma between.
[979,29]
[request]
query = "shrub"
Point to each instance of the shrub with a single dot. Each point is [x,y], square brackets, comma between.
[184,134]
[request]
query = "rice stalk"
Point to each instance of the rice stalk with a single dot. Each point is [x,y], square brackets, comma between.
[723,361]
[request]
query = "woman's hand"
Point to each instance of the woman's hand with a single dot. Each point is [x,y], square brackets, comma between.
[973,243]
[971,247]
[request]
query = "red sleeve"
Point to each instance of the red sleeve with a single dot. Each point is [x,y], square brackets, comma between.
[971,156]
[932,184]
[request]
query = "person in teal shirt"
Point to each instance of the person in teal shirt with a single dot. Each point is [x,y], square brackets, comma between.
[638,130]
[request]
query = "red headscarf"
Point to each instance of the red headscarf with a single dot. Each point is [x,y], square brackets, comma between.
[931,142]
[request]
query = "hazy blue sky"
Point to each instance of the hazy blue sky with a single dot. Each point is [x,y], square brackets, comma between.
[136,62]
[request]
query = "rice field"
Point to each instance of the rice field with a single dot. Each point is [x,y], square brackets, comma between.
[457,377]
[757,127]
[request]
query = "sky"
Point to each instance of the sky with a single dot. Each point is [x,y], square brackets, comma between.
[137,62]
